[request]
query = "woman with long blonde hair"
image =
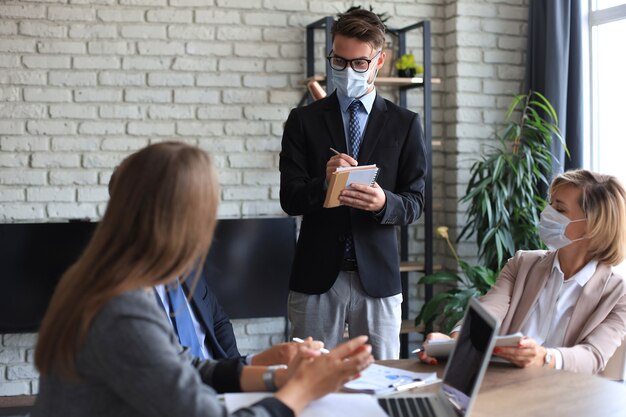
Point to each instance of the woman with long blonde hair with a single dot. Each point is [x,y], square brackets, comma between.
[106,349]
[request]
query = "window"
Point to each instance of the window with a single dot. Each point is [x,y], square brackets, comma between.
[607,30]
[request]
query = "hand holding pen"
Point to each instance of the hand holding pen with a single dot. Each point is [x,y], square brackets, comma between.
[338,160]
[298,340]
[353,162]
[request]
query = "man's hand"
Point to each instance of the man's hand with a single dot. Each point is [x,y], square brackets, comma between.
[364,197]
[283,353]
[341,160]
[313,375]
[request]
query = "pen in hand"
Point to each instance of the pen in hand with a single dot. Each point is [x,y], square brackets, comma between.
[336,152]
[298,340]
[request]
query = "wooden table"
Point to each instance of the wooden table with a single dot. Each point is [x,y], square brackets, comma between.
[16,405]
[508,391]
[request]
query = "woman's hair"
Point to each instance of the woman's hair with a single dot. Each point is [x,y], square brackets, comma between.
[157,226]
[603,200]
[362,25]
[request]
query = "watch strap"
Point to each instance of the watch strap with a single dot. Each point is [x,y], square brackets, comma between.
[548,358]
[268,377]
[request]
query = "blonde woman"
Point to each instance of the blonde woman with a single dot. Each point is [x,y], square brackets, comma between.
[568,301]
[106,349]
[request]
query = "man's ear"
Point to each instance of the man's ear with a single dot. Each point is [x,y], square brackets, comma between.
[381,59]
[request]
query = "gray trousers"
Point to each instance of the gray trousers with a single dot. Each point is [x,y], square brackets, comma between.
[323,316]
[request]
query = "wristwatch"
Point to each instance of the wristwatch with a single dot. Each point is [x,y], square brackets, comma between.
[548,358]
[268,377]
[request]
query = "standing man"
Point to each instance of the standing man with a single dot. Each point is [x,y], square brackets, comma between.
[346,268]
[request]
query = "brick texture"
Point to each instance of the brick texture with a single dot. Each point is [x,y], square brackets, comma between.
[86,83]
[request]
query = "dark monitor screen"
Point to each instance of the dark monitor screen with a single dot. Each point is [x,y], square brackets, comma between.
[248,267]
[249,264]
[33,256]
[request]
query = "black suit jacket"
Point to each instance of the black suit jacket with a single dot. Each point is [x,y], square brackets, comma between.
[220,338]
[393,141]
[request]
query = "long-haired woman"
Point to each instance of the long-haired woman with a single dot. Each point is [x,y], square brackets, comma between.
[106,349]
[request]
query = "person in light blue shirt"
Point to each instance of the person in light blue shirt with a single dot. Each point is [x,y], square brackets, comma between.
[212,331]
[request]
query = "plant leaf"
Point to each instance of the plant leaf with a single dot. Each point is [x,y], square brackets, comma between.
[440,277]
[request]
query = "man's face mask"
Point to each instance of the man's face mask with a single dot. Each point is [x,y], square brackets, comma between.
[354,84]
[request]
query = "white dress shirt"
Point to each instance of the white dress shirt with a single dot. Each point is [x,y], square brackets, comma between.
[551,314]
[363,114]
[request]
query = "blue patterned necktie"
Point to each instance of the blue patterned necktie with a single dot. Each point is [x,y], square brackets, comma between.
[354,129]
[354,136]
[179,309]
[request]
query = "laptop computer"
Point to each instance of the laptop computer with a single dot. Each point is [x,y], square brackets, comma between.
[463,375]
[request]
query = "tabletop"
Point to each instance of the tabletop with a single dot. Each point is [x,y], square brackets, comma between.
[505,391]
[538,392]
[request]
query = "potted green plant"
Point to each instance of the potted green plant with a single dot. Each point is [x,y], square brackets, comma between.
[505,197]
[507,186]
[447,307]
[407,67]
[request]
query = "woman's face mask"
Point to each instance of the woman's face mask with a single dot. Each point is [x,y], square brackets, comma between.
[552,227]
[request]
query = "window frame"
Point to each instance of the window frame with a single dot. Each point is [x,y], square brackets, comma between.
[595,18]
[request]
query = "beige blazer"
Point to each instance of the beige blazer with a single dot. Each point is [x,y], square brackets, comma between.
[598,322]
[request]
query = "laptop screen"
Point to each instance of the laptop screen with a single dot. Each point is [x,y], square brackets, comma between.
[470,357]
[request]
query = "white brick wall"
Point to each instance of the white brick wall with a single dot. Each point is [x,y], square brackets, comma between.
[84,83]
[17,372]
[485,68]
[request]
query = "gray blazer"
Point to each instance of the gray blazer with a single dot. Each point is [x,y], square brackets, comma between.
[131,364]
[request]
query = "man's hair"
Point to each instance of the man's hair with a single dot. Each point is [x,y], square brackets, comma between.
[603,200]
[362,25]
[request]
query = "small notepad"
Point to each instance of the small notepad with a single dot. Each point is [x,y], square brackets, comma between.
[343,177]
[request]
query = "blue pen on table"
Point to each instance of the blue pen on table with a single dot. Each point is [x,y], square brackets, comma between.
[298,340]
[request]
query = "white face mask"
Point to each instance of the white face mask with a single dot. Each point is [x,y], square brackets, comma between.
[353,84]
[552,227]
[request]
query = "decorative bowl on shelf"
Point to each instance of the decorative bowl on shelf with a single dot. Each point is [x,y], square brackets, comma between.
[406,73]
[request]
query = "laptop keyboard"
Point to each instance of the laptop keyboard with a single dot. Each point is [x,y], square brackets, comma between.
[407,406]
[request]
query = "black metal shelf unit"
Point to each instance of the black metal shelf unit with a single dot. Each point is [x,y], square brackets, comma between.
[326,25]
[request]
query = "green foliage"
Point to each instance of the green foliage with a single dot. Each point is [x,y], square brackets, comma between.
[506,187]
[505,200]
[406,61]
[474,281]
